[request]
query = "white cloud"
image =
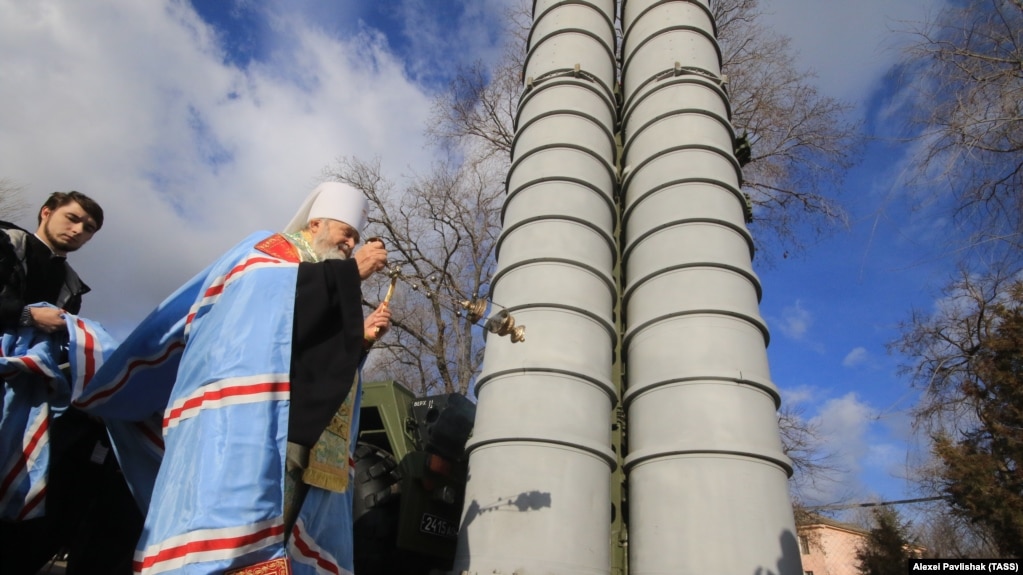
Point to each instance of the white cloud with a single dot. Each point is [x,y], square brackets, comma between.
[795,321]
[843,424]
[441,42]
[858,356]
[849,45]
[846,418]
[133,104]
[799,395]
[869,457]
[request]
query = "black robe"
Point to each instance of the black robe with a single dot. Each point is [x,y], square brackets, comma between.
[327,345]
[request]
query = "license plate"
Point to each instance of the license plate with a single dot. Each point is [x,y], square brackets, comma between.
[437,526]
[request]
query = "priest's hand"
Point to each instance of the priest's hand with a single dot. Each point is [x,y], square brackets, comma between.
[377,323]
[371,258]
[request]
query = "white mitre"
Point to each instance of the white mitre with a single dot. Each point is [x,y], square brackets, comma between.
[332,200]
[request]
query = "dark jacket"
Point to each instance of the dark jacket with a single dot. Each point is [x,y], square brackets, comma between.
[30,273]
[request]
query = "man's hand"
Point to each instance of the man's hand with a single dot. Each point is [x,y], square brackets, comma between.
[48,319]
[371,258]
[377,323]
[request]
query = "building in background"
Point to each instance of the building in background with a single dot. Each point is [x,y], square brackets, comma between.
[828,547]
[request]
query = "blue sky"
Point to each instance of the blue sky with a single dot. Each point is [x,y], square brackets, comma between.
[834,308]
[196,122]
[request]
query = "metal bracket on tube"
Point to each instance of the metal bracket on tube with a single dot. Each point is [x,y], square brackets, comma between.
[678,70]
[575,71]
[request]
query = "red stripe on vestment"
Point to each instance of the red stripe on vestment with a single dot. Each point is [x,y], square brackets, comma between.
[218,287]
[307,551]
[90,359]
[202,546]
[223,393]
[26,455]
[128,373]
[33,366]
[220,284]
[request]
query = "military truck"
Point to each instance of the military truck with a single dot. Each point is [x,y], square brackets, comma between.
[410,473]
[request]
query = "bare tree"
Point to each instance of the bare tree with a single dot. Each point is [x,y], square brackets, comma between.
[964,359]
[980,472]
[941,348]
[944,534]
[479,104]
[440,231]
[813,460]
[967,66]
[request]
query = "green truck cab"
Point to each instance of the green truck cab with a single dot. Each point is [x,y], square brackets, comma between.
[410,473]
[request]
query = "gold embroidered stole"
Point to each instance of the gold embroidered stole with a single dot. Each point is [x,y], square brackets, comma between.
[329,459]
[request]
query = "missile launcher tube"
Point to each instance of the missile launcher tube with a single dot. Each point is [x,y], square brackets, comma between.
[707,478]
[540,458]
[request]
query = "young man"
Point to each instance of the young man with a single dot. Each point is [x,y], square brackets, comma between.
[80,471]
[34,268]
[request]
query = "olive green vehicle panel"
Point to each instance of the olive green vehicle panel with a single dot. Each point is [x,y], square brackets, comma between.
[384,417]
[430,499]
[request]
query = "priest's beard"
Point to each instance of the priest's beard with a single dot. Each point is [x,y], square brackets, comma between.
[324,249]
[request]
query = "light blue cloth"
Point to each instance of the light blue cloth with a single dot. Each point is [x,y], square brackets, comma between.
[34,392]
[209,370]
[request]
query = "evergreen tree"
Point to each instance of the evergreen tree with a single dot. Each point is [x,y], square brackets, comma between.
[886,549]
[968,360]
[981,472]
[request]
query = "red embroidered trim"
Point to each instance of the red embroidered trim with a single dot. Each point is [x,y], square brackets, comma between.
[279,247]
[279,566]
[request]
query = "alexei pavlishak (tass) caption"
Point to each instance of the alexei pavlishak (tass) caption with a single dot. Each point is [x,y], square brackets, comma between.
[960,565]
